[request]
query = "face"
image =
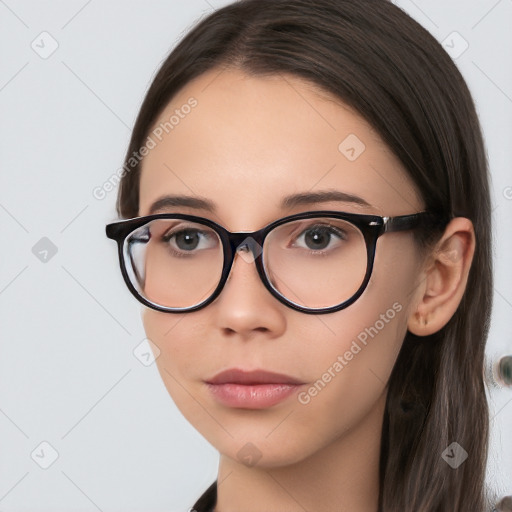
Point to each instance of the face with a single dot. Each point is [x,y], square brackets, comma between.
[245,145]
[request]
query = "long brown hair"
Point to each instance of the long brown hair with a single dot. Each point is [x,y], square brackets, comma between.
[393,72]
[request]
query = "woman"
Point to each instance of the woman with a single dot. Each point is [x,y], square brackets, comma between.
[332,348]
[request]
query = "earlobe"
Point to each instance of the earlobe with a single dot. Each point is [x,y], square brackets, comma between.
[418,324]
[444,281]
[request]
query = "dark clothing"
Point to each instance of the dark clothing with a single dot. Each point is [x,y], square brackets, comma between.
[207,501]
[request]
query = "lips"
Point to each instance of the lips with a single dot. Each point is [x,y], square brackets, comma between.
[254,377]
[256,389]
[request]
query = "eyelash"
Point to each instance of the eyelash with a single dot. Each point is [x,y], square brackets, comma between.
[329,229]
[183,254]
[170,234]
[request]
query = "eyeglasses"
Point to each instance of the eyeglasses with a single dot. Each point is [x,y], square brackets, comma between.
[313,262]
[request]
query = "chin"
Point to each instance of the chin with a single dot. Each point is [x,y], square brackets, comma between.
[262,452]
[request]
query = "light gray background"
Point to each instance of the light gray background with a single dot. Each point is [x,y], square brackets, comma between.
[68,374]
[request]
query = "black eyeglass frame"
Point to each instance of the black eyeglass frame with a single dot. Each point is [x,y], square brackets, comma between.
[371,226]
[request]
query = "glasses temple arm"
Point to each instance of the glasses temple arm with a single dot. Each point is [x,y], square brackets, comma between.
[405,222]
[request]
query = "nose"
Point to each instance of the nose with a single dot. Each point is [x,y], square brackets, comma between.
[245,306]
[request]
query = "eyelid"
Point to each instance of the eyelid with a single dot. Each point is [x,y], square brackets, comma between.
[219,222]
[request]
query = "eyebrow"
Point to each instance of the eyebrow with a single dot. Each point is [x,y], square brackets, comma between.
[288,202]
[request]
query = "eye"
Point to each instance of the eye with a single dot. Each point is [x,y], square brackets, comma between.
[190,239]
[319,237]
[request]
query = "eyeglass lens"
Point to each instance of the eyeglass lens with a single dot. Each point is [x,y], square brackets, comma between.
[314,263]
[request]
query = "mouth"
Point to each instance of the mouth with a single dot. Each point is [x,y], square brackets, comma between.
[257,389]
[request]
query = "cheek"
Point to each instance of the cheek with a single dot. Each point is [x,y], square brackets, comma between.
[351,353]
[178,353]
[350,371]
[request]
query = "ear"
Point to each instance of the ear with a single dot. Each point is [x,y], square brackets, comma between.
[444,278]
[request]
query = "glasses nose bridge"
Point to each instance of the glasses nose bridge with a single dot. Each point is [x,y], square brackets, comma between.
[250,241]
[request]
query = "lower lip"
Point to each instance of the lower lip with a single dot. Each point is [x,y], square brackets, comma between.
[254,396]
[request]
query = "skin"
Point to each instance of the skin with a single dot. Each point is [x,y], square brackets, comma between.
[249,142]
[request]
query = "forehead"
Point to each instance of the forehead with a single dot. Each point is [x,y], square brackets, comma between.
[245,142]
